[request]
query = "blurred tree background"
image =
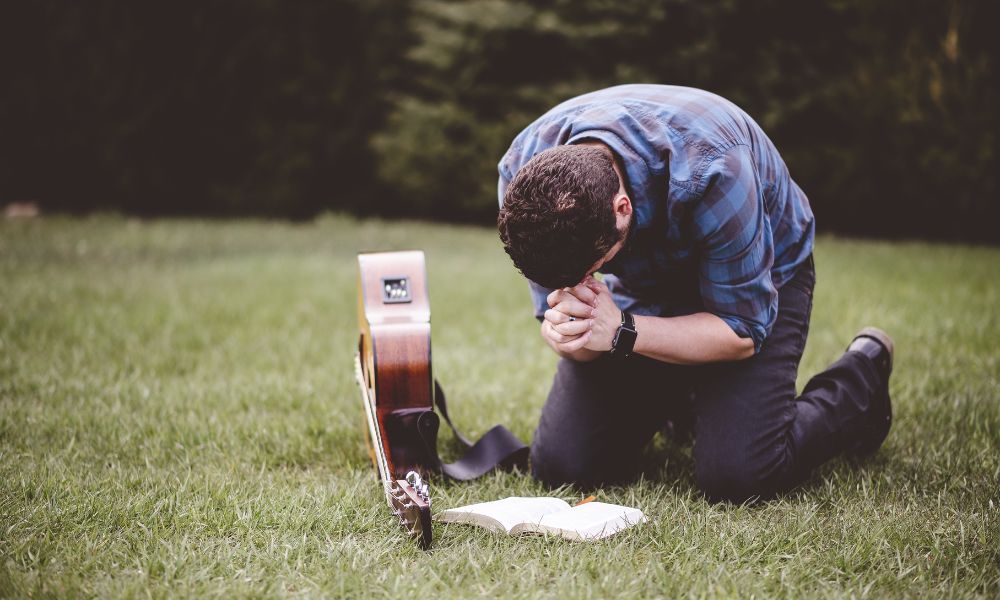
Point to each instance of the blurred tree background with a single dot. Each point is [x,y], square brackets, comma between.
[884,110]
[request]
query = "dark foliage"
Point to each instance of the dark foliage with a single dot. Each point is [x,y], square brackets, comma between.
[883,109]
[259,107]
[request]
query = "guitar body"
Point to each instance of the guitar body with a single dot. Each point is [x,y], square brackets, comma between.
[394,374]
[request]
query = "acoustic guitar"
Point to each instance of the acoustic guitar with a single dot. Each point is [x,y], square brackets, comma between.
[393,367]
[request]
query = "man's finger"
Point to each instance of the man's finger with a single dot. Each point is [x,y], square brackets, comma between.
[580,292]
[594,285]
[574,345]
[574,308]
[559,338]
[557,296]
[574,328]
[557,318]
[584,293]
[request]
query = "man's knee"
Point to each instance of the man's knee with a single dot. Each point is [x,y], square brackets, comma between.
[555,468]
[564,464]
[739,478]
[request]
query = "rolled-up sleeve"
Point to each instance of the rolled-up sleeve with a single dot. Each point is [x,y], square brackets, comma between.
[737,247]
[501,187]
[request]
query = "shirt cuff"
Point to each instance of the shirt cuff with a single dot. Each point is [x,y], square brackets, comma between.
[754,331]
[539,299]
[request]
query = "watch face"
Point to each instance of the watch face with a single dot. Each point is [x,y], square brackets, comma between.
[630,341]
[624,340]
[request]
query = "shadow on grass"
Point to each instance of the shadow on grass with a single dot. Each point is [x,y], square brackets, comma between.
[669,461]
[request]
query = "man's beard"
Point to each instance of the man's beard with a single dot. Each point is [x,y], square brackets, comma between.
[627,233]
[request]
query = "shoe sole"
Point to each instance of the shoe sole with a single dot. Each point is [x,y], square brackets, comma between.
[881,337]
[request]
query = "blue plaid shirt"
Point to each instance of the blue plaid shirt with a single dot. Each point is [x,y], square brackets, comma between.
[719,224]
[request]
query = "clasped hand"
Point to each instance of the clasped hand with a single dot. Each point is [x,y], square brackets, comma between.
[583,317]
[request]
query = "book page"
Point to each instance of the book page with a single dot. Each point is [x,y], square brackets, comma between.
[591,521]
[504,515]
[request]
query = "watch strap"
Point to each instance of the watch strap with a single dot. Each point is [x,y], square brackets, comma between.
[624,340]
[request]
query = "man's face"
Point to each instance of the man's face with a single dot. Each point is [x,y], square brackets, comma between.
[623,237]
[621,204]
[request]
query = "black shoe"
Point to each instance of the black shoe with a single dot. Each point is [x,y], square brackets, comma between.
[876,345]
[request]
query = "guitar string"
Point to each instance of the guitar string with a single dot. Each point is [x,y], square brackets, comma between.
[380,459]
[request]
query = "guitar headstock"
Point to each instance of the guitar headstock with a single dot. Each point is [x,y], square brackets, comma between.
[411,501]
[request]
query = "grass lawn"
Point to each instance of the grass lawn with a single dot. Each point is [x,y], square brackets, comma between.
[178,416]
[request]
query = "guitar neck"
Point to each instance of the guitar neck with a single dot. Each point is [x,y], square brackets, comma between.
[378,447]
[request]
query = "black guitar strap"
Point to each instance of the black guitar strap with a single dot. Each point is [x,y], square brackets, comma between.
[498,447]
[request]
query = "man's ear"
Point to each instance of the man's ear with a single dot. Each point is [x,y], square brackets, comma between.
[622,206]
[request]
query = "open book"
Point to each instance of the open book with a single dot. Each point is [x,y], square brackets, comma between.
[514,515]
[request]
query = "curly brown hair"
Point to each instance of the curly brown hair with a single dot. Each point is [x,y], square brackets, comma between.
[557,219]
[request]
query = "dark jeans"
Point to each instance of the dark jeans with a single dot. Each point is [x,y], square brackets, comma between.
[753,436]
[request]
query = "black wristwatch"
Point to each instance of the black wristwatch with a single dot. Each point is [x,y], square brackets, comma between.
[625,337]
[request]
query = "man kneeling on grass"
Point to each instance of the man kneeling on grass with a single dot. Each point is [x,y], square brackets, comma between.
[705,245]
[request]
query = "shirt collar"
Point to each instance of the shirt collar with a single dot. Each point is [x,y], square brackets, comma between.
[636,173]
